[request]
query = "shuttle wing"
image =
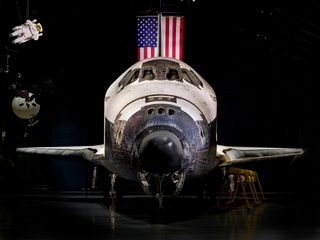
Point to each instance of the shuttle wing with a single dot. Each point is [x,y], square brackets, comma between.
[237,155]
[94,153]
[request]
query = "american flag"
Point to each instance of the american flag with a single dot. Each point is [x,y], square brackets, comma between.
[147,36]
[172,36]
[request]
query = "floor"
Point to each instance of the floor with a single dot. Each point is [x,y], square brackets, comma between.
[67,216]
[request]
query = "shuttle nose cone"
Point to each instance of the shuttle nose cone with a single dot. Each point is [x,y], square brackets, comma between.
[160,152]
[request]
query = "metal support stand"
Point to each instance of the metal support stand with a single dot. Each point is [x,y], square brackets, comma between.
[237,180]
[94,178]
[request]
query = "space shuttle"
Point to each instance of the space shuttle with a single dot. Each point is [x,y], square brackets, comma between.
[160,129]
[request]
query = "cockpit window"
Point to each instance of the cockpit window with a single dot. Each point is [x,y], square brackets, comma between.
[129,78]
[196,78]
[148,74]
[190,77]
[173,74]
[162,70]
[134,76]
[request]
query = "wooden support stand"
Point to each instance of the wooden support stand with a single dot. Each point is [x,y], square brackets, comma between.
[239,182]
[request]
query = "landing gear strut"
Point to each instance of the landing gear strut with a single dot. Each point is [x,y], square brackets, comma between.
[176,178]
[112,192]
[159,194]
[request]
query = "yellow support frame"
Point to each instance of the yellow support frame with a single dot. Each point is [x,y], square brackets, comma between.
[242,178]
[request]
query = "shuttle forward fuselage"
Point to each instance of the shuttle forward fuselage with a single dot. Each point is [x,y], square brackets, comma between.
[160,117]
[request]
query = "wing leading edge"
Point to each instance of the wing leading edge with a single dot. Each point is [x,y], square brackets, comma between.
[238,155]
[229,155]
[94,153]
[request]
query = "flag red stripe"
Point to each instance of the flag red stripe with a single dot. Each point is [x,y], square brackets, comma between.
[174,29]
[167,37]
[181,36]
[145,53]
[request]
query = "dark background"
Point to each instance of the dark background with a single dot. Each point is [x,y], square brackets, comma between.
[261,57]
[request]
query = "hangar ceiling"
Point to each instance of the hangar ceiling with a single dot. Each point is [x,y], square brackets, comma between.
[294,29]
[288,29]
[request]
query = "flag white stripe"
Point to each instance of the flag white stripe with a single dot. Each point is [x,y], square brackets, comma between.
[141,50]
[163,36]
[148,52]
[178,38]
[156,52]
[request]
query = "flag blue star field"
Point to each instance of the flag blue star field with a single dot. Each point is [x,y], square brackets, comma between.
[147,37]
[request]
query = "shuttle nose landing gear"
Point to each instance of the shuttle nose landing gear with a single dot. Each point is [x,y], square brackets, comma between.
[158,184]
